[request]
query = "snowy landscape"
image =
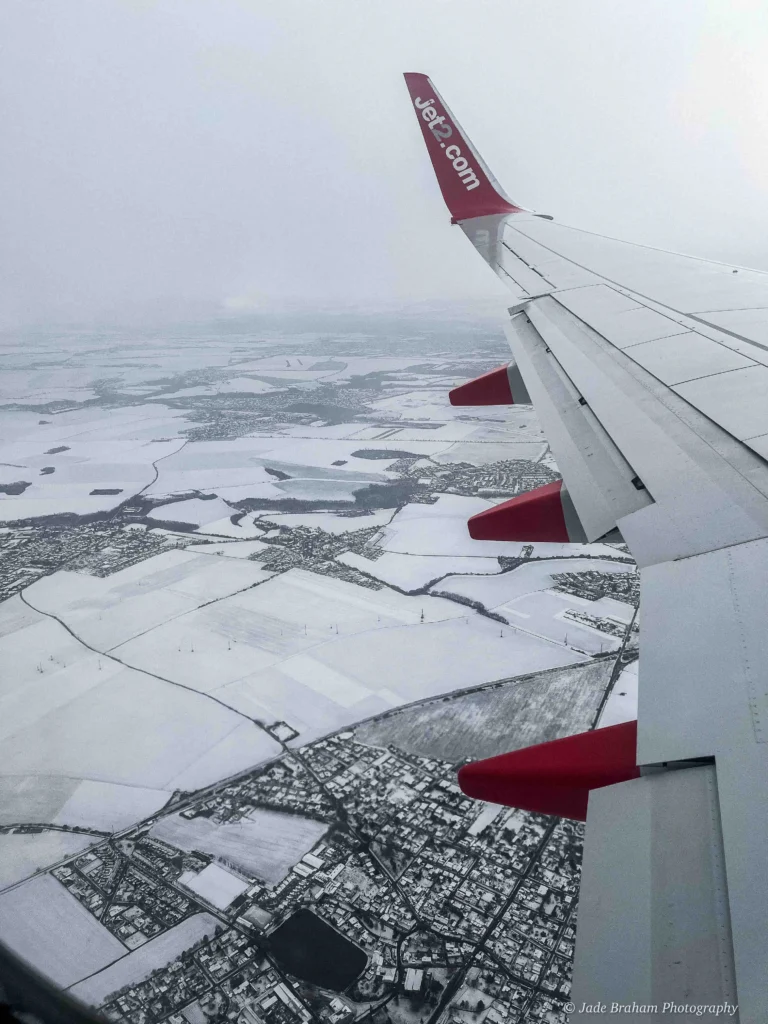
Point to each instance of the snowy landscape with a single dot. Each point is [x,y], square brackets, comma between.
[247,643]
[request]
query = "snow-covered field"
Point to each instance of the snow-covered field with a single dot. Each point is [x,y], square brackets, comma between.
[316,652]
[292,614]
[264,845]
[140,963]
[330,522]
[237,385]
[503,591]
[41,922]
[214,884]
[130,729]
[38,798]
[30,799]
[22,854]
[243,464]
[243,529]
[234,548]
[212,465]
[196,511]
[70,712]
[63,481]
[39,387]
[109,611]
[621,705]
[351,677]
[524,599]
[410,572]
[113,805]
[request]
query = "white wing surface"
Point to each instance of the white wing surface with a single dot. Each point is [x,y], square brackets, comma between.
[649,373]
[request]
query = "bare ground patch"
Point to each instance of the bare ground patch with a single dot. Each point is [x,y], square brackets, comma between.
[505,716]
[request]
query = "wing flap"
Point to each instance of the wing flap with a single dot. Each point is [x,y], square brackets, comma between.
[707,489]
[654,860]
[698,365]
[703,693]
[726,386]
[599,478]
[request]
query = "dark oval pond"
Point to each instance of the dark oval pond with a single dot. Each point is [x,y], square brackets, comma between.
[309,948]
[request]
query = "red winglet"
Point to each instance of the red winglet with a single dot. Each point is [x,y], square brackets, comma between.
[535,516]
[492,388]
[556,777]
[468,187]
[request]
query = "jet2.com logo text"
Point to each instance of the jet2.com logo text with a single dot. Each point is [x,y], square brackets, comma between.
[442,130]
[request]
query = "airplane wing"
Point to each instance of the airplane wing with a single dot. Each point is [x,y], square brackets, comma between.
[649,373]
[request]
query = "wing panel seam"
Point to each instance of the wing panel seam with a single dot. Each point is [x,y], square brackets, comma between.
[623,288]
[672,402]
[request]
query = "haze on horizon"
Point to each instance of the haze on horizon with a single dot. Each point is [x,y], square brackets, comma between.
[242,155]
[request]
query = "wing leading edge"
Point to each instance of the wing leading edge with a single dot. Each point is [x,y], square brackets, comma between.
[649,373]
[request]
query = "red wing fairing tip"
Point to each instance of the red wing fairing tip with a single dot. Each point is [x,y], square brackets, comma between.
[556,777]
[492,388]
[502,386]
[545,514]
[469,189]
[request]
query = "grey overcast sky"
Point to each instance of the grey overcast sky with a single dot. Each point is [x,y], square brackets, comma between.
[248,154]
